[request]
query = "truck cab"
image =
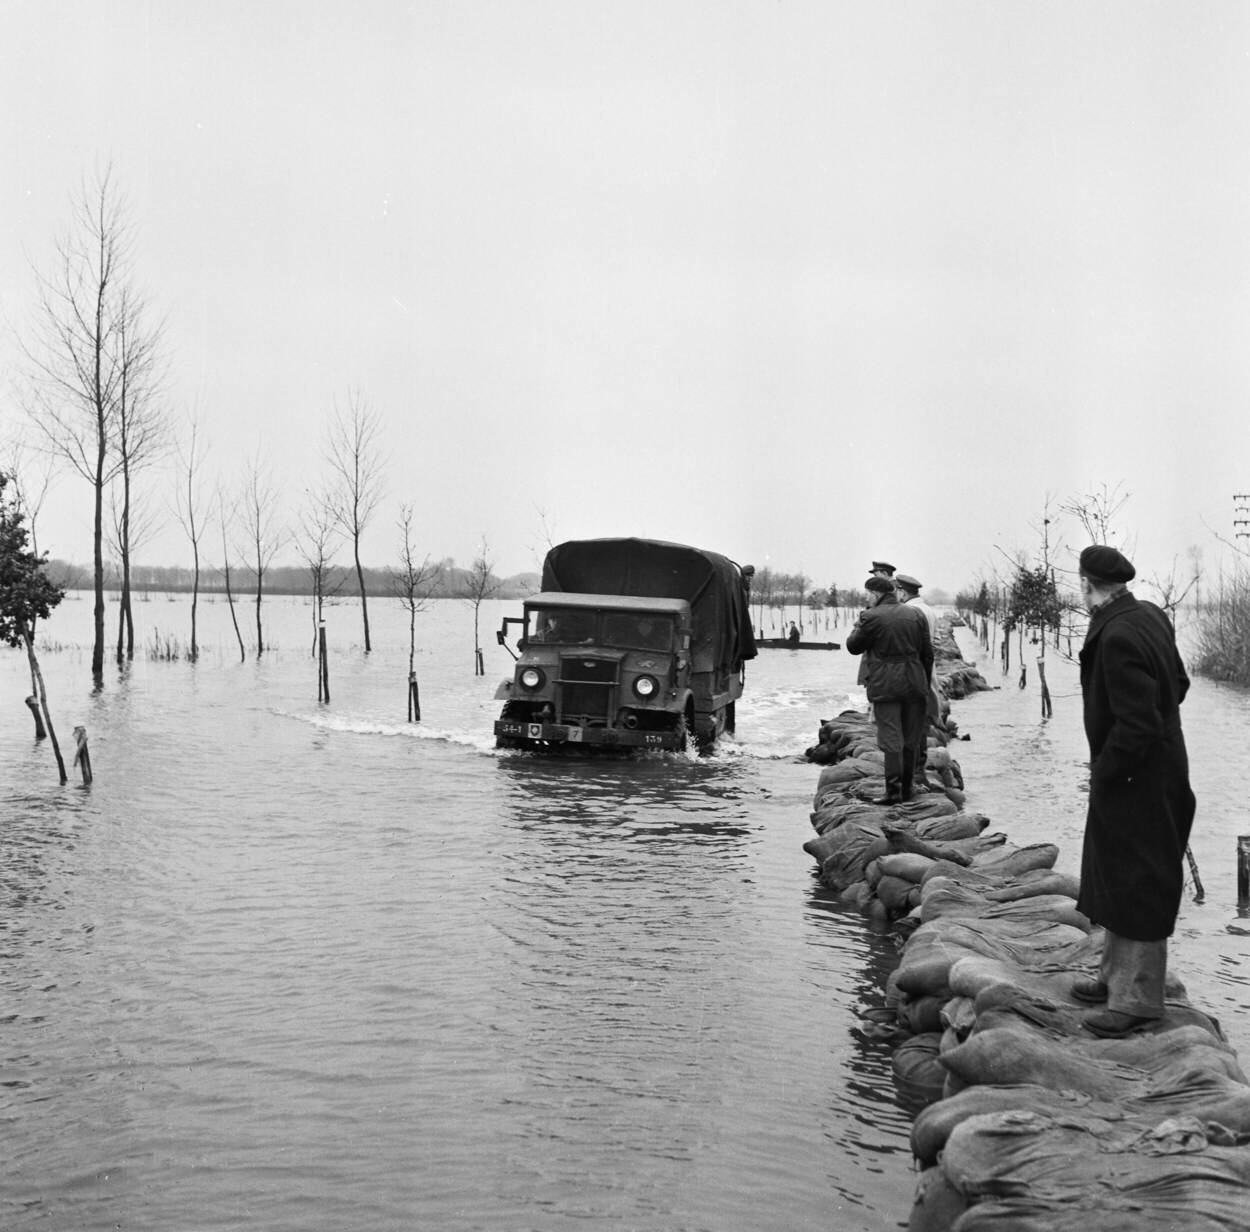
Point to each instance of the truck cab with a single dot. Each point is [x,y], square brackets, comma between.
[605,670]
[631,644]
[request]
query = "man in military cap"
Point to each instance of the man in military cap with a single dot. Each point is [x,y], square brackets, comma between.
[1141,807]
[909,594]
[898,660]
[878,569]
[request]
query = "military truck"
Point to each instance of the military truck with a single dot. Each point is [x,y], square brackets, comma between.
[631,644]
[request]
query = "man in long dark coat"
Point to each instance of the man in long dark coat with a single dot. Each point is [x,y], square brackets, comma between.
[1141,807]
[898,661]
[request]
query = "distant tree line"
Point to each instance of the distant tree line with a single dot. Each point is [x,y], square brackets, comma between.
[442,579]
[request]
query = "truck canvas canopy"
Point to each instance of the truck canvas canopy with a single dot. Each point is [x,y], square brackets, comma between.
[712,584]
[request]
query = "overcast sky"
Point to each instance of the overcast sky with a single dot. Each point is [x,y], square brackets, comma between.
[805,283]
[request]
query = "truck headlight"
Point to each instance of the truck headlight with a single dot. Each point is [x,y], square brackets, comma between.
[531,678]
[646,687]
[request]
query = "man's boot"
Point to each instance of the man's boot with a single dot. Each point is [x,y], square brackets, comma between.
[922,776]
[893,780]
[908,775]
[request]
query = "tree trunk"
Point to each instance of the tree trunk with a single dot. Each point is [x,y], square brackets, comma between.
[364,604]
[260,636]
[40,731]
[28,638]
[195,602]
[234,616]
[97,649]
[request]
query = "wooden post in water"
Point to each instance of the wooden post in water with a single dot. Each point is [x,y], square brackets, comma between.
[414,699]
[82,755]
[1243,870]
[323,664]
[41,732]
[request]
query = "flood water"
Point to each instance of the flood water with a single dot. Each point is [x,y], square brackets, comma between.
[290,965]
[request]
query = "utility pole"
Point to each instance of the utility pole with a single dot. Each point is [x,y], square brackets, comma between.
[1241,504]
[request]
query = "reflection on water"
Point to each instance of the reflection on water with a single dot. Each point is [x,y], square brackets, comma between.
[295,966]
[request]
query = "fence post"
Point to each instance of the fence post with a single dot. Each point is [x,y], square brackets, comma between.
[1243,870]
[82,755]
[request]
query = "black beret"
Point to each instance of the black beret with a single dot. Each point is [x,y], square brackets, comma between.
[884,585]
[1105,564]
[880,566]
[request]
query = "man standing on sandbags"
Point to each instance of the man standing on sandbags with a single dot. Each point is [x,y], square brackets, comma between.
[1141,807]
[898,660]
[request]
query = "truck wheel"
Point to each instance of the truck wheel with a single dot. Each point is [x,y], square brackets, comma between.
[731,717]
[685,726]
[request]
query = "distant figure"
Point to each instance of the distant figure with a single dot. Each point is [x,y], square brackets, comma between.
[1141,808]
[909,593]
[793,637]
[898,657]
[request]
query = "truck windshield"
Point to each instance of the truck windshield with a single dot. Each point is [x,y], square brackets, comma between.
[557,624]
[641,630]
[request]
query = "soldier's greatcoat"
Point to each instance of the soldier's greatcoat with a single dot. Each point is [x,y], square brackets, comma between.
[1141,807]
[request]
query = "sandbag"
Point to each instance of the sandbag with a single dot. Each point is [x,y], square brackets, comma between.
[963,875]
[1012,861]
[937,1203]
[896,894]
[947,899]
[938,944]
[831,816]
[1036,881]
[847,771]
[857,845]
[952,825]
[905,864]
[1028,1170]
[934,1124]
[977,976]
[1002,1056]
[926,806]
[923,1015]
[917,1070]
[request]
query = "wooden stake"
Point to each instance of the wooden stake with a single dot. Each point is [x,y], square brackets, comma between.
[414,699]
[40,731]
[82,756]
[323,664]
[1243,870]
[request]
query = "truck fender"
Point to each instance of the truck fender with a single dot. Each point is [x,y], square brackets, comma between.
[504,691]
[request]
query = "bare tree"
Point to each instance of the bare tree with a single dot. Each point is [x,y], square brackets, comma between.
[260,524]
[80,361]
[480,585]
[1097,511]
[412,584]
[317,540]
[1173,590]
[189,509]
[356,461]
[140,437]
[131,524]
[228,515]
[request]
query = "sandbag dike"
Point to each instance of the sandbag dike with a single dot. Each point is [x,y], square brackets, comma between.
[1024,1121]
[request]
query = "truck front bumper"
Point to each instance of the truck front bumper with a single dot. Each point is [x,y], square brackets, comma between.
[538,735]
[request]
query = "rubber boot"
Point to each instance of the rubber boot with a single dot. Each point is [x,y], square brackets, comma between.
[893,780]
[908,778]
[922,776]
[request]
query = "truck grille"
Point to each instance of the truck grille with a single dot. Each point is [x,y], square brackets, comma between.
[586,690]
